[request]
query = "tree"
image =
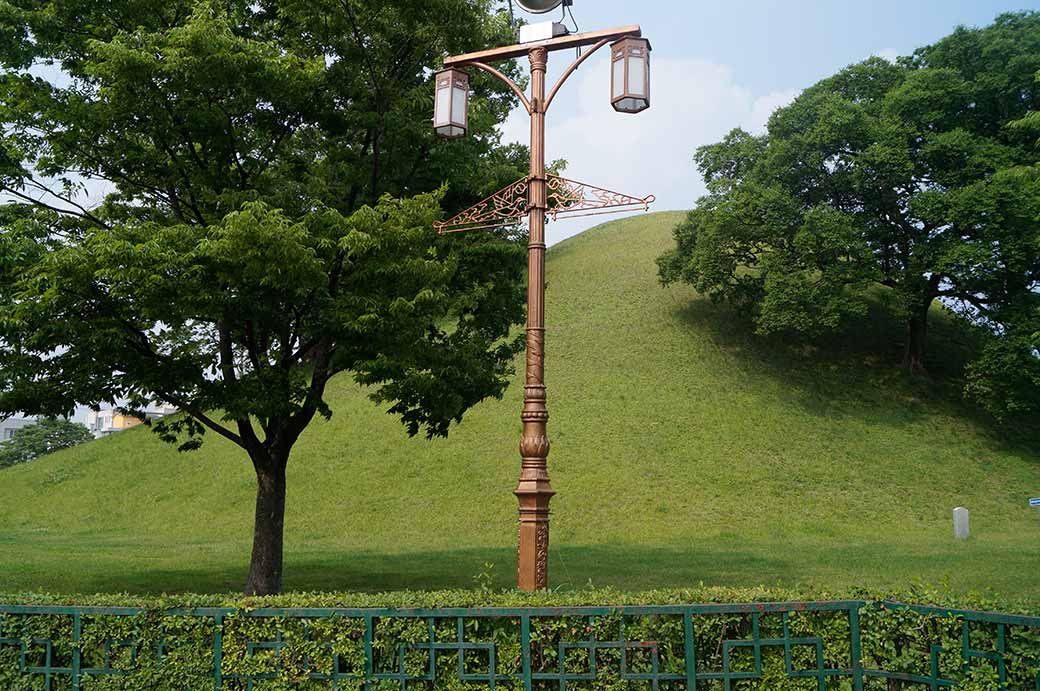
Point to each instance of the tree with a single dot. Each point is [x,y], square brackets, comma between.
[40,439]
[271,177]
[1030,122]
[907,175]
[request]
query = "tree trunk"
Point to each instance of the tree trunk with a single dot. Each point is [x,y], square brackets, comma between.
[916,339]
[265,569]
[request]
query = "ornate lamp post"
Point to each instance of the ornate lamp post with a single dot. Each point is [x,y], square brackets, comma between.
[539,195]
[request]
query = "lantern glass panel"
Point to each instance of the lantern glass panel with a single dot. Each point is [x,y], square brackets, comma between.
[459,104]
[443,110]
[618,78]
[637,72]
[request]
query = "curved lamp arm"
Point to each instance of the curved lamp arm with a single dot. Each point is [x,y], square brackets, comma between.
[572,69]
[508,82]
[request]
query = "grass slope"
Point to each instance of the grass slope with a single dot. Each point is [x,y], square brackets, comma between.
[685,449]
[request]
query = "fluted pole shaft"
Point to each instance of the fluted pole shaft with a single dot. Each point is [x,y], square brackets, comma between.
[534,490]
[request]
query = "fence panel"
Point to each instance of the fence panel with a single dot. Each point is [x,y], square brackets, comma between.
[789,646]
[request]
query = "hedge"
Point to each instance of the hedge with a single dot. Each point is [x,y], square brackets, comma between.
[707,638]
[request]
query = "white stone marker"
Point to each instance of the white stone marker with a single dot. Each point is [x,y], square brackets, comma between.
[961,529]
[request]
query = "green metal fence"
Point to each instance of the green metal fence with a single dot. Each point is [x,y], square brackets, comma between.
[793,645]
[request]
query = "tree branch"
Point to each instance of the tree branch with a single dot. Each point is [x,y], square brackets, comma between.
[227,355]
[139,341]
[196,413]
[319,378]
[86,216]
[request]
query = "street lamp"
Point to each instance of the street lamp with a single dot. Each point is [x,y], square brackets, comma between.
[630,75]
[532,196]
[451,109]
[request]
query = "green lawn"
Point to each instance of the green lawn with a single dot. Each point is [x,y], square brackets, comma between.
[685,449]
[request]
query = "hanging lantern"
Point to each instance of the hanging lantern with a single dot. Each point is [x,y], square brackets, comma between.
[630,75]
[451,104]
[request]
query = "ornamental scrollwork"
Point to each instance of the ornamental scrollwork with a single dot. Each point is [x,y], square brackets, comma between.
[564,197]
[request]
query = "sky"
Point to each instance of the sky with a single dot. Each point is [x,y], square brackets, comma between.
[715,66]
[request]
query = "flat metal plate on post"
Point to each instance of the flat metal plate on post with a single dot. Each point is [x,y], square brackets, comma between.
[520,50]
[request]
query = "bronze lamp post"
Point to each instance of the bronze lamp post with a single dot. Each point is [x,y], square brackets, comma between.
[537,196]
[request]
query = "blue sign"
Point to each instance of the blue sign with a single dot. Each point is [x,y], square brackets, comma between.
[1034,502]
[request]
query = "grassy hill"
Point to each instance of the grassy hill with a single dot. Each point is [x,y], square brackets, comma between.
[685,449]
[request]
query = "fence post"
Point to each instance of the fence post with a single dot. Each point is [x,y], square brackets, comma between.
[77,662]
[525,650]
[691,652]
[856,652]
[218,652]
[369,661]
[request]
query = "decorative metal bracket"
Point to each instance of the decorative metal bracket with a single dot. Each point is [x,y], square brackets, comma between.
[564,197]
[575,199]
[503,208]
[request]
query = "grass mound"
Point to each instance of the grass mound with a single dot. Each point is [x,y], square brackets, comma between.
[685,450]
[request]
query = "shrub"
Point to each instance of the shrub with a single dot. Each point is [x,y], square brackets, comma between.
[593,639]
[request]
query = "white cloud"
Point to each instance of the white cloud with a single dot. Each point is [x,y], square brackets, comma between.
[889,54]
[694,102]
[765,106]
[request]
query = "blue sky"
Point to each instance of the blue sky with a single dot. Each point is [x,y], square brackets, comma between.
[717,65]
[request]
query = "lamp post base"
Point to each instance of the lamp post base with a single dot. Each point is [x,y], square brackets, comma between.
[533,552]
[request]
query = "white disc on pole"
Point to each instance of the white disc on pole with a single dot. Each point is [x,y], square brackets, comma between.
[539,6]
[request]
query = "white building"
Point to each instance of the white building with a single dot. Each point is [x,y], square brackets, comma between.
[105,422]
[10,426]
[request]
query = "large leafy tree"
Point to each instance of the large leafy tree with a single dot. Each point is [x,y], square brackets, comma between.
[269,178]
[42,438]
[921,176]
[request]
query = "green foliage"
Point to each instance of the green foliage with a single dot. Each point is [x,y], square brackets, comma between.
[1005,379]
[271,181]
[921,176]
[238,231]
[42,438]
[892,639]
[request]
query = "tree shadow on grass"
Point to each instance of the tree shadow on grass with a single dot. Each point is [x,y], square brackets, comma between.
[626,567]
[856,372]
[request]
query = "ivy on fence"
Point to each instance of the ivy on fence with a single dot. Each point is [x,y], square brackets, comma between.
[836,645]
